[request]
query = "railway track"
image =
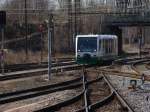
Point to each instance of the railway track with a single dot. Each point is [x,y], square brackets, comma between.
[29,66]
[92,98]
[128,61]
[148,65]
[39,71]
[39,91]
[42,90]
[141,68]
[28,70]
[138,65]
[93,94]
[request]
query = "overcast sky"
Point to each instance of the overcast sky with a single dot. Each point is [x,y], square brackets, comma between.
[2,1]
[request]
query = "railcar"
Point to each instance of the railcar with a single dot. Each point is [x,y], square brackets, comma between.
[96,49]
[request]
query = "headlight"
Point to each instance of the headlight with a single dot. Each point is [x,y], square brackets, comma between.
[95,50]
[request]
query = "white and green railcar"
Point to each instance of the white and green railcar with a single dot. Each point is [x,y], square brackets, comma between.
[94,49]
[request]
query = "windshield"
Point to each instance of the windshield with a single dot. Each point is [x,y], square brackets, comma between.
[87,44]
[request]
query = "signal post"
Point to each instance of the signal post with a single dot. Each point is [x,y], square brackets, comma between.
[2,27]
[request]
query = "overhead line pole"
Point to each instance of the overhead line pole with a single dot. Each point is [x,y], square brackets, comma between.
[75,21]
[50,29]
[26,30]
[2,27]
[2,50]
[69,23]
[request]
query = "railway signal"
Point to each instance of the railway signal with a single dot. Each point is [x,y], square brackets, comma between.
[41,30]
[2,18]
[50,28]
[2,26]
[140,40]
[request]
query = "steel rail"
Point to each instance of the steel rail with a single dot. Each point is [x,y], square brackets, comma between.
[29,66]
[36,94]
[98,104]
[118,73]
[102,102]
[43,90]
[120,98]
[57,106]
[108,99]
[40,87]
[128,60]
[133,66]
[38,72]
[85,92]
[92,107]
[148,66]
[67,102]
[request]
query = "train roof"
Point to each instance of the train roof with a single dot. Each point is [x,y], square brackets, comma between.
[99,36]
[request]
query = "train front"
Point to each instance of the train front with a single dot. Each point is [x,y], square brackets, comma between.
[86,49]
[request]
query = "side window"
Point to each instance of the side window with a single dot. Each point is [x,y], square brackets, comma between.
[107,46]
[111,45]
[100,44]
[104,45]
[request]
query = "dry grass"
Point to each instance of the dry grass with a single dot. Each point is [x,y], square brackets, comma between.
[134,48]
[12,57]
[20,57]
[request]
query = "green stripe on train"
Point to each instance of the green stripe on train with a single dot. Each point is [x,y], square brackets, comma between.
[94,60]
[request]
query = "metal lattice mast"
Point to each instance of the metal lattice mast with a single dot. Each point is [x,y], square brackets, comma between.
[70,23]
[26,29]
[77,10]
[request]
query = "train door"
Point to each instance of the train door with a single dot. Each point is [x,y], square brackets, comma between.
[113,46]
[116,45]
[103,47]
[100,45]
[106,47]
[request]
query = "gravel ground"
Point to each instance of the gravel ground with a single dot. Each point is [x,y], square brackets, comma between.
[141,66]
[98,91]
[73,107]
[25,83]
[138,99]
[35,103]
[127,68]
[38,102]
[113,106]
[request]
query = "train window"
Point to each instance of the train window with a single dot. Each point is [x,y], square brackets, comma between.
[103,45]
[100,43]
[106,46]
[87,44]
[111,46]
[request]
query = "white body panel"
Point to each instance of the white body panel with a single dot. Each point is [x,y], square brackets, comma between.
[107,45]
